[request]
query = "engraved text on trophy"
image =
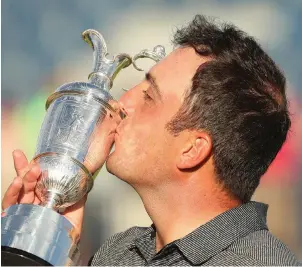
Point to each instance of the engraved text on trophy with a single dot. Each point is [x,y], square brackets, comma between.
[70,128]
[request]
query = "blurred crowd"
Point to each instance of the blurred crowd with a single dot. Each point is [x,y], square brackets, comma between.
[42,49]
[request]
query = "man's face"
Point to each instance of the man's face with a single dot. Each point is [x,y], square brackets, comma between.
[145,151]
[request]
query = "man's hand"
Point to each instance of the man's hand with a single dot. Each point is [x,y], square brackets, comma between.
[22,190]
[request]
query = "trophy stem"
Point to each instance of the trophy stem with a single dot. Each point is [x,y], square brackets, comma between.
[52,200]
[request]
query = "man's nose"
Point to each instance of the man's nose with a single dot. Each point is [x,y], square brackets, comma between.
[127,102]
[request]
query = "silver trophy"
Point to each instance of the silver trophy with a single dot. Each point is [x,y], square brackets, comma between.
[71,147]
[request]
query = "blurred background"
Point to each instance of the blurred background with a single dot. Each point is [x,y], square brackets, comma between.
[42,49]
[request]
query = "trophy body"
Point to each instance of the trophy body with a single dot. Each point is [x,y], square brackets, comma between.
[75,114]
[79,118]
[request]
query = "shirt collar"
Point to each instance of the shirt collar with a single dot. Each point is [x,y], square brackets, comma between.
[211,238]
[219,233]
[145,243]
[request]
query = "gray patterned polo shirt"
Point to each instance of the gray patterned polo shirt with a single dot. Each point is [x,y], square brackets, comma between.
[236,237]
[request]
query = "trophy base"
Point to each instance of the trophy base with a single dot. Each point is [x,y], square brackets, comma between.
[33,235]
[17,257]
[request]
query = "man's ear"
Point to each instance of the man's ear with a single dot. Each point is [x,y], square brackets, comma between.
[197,149]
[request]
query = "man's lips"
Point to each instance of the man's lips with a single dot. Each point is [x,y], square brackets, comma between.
[117,131]
[112,134]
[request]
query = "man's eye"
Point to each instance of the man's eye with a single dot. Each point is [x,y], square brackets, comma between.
[146,96]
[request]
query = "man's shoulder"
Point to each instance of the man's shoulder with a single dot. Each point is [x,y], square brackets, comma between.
[119,242]
[262,248]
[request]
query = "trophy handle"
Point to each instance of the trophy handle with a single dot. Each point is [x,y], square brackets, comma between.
[97,42]
[157,54]
[121,61]
[104,70]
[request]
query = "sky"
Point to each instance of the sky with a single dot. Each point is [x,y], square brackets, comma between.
[40,36]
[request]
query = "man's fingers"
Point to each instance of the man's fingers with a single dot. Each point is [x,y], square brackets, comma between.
[20,162]
[30,178]
[75,214]
[12,193]
[37,201]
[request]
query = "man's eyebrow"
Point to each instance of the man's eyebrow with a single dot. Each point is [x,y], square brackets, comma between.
[150,78]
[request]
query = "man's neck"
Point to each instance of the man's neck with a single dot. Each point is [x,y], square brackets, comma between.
[177,210]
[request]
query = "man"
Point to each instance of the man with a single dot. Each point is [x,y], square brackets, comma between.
[200,131]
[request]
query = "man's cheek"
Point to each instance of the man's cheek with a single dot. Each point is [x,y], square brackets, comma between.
[135,144]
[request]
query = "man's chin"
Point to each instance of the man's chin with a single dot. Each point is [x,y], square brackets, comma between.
[113,163]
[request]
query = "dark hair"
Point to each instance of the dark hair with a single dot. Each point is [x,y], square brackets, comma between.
[238,97]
